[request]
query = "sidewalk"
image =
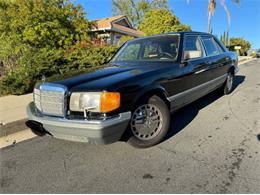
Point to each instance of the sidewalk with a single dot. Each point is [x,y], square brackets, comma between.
[12,108]
[13,113]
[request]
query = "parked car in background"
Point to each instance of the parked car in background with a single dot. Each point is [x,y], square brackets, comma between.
[146,80]
[258,53]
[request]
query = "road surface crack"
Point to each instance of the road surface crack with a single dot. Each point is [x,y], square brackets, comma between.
[233,113]
[237,156]
[65,166]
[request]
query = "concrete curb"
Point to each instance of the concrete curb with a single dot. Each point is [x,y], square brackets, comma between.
[13,127]
[246,61]
[19,125]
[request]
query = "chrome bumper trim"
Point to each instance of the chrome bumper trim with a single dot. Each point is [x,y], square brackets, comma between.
[75,123]
[92,131]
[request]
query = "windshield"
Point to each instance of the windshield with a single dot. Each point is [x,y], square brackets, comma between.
[160,48]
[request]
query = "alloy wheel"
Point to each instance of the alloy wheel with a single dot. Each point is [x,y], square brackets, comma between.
[230,81]
[146,122]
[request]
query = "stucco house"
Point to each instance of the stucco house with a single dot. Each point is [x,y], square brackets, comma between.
[110,30]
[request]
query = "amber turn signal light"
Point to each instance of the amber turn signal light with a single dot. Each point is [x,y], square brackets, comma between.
[109,101]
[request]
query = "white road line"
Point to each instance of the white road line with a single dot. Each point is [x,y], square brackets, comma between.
[16,138]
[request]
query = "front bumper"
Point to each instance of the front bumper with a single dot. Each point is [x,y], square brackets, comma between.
[92,131]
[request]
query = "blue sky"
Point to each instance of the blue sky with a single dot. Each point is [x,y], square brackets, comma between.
[245,19]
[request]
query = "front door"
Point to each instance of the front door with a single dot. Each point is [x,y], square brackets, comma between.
[195,70]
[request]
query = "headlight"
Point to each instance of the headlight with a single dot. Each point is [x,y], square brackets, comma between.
[94,101]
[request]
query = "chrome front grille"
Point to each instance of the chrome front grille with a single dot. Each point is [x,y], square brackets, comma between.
[50,99]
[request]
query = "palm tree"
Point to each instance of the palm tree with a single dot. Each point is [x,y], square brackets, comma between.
[211,10]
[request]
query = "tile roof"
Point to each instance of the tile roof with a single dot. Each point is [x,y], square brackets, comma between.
[130,31]
[108,24]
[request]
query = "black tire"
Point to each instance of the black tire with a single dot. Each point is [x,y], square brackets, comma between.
[228,86]
[146,131]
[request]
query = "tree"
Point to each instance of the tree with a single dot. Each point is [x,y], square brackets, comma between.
[225,38]
[36,38]
[239,41]
[161,21]
[56,23]
[124,39]
[135,9]
[211,10]
[35,24]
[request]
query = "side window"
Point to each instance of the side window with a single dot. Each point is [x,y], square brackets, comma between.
[192,47]
[210,45]
[219,46]
[150,50]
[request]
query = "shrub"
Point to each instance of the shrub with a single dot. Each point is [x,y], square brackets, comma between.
[34,63]
[238,41]
[44,38]
[81,58]
[253,55]
[34,37]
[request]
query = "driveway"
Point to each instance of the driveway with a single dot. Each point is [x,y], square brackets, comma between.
[213,147]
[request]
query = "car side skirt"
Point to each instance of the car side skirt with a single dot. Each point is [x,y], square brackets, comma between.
[181,99]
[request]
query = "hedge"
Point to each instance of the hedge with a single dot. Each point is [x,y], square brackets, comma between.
[34,63]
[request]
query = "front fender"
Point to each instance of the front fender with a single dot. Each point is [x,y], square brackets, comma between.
[151,90]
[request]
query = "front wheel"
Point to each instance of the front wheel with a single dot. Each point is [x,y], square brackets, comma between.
[149,123]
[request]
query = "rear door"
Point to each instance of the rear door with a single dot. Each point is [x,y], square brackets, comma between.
[215,56]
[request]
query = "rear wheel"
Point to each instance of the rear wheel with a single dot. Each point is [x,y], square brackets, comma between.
[149,123]
[228,85]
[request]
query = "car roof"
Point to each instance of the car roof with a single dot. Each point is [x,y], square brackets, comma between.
[173,33]
[187,32]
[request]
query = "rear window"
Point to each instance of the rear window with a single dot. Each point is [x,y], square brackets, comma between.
[210,45]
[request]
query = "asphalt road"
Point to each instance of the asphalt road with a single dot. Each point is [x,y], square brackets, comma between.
[213,147]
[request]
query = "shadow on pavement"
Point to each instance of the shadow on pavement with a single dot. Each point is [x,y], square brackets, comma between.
[184,116]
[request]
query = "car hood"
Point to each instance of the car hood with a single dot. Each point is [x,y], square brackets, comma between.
[107,77]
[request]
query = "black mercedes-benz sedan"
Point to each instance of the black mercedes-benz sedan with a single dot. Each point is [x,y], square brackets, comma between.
[134,94]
